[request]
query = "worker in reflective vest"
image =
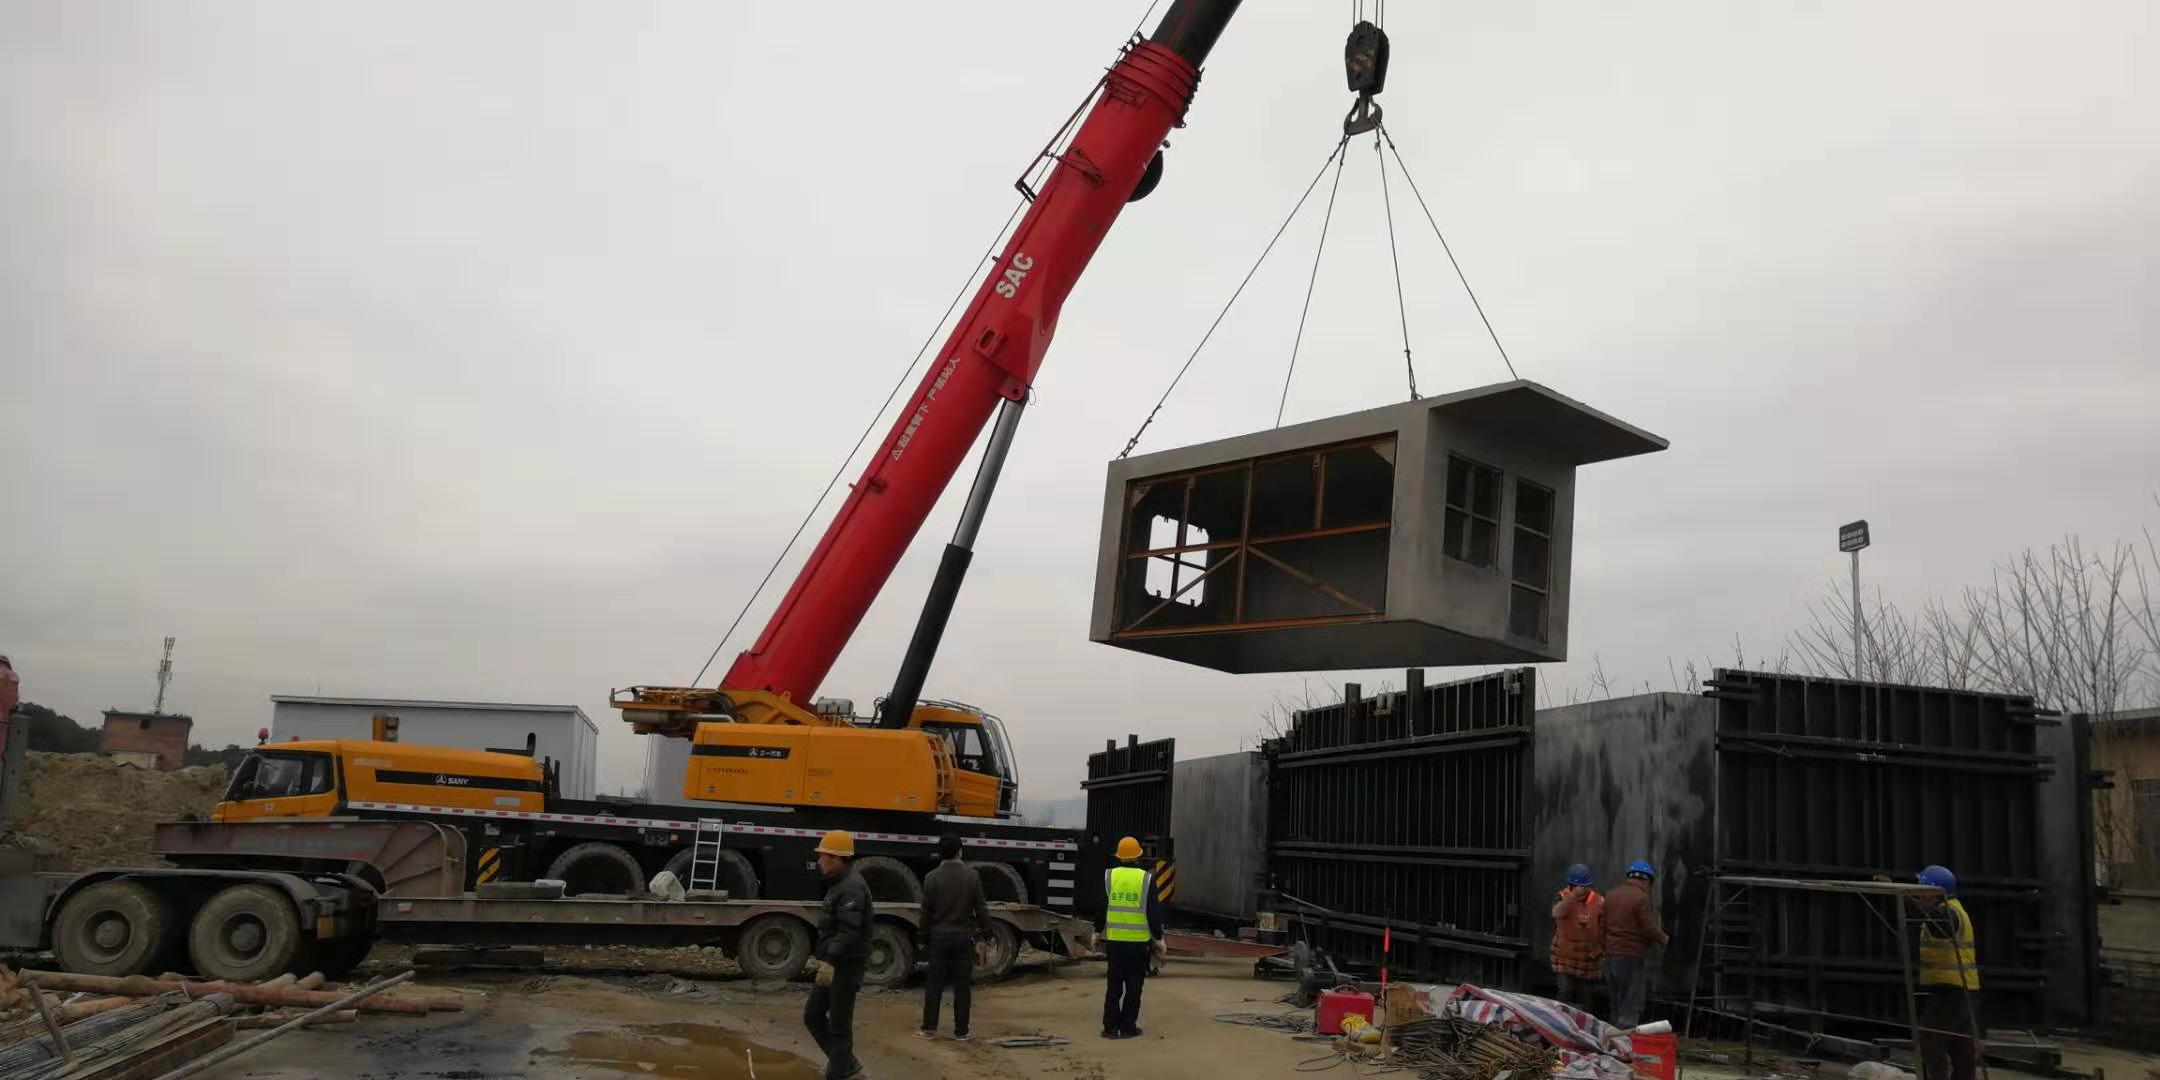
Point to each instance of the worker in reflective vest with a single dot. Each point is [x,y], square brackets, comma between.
[1131,928]
[1949,981]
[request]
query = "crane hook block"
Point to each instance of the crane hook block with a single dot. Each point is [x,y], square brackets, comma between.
[1365,59]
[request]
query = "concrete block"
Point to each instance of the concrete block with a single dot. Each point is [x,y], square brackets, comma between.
[1436,532]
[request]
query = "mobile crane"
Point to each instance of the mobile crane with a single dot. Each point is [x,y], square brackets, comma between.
[754,740]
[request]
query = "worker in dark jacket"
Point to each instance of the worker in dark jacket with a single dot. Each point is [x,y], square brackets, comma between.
[1131,929]
[1631,928]
[955,916]
[843,944]
[1949,981]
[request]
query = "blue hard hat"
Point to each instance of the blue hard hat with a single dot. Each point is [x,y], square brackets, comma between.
[1641,868]
[1578,874]
[1939,877]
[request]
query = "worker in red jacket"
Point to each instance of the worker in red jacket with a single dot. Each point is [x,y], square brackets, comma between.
[1631,928]
[1578,938]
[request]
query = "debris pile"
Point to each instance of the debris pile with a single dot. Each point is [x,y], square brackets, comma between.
[79,811]
[61,1026]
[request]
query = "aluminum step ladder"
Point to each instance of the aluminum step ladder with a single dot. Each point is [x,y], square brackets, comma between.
[705,850]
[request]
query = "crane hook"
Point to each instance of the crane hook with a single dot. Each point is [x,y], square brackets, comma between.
[1365,64]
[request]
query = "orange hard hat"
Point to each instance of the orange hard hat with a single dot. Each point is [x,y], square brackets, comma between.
[838,842]
[1128,849]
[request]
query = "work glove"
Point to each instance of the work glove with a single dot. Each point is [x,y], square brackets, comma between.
[1162,949]
[820,971]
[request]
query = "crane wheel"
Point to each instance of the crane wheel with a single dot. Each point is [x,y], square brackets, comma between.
[112,928]
[246,933]
[892,956]
[890,880]
[1001,883]
[773,947]
[596,867]
[1004,952]
[734,875]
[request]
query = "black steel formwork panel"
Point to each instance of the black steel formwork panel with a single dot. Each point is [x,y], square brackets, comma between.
[1128,794]
[1410,812]
[1823,778]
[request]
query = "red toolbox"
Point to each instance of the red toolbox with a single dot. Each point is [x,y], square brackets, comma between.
[1336,1004]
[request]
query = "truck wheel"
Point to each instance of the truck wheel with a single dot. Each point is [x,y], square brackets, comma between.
[736,876]
[245,934]
[1004,952]
[773,947]
[890,880]
[596,867]
[1001,883]
[892,956]
[112,928]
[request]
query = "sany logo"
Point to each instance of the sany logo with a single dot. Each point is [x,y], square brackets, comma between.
[1015,274]
[452,781]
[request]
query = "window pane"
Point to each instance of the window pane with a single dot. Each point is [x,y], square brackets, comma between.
[1533,559]
[1526,613]
[1483,545]
[1485,494]
[1533,507]
[1454,542]
[1458,481]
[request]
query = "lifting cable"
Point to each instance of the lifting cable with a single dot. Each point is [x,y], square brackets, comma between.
[1444,246]
[1234,294]
[1365,66]
[1314,280]
[1043,162]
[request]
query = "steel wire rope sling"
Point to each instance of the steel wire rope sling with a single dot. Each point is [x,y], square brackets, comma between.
[1365,64]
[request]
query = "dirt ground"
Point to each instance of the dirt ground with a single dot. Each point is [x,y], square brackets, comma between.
[79,811]
[663,1025]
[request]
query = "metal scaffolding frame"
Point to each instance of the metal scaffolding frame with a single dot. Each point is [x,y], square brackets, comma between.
[1901,922]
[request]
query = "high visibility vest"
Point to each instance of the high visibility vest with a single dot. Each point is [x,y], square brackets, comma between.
[1125,890]
[1951,960]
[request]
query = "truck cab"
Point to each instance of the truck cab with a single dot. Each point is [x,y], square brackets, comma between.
[323,778]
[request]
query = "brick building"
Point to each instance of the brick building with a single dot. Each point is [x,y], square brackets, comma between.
[148,738]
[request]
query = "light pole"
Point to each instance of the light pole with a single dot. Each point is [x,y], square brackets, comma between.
[1851,538]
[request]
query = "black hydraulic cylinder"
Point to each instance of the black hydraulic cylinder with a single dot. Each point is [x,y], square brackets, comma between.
[929,630]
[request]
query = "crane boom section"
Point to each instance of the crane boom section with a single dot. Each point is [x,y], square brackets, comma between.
[993,353]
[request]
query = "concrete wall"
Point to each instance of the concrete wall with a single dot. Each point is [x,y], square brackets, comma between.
[561,732]
[164,735]
[1620,780]
[1218,822]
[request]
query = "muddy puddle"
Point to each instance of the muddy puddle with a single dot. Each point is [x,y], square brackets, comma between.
[695,1051]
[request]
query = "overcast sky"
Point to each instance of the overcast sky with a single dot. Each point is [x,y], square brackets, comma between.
[490,351]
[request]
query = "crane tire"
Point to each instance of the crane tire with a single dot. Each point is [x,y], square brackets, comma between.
[112,928]
[597,867]
[736,876]
[1001,883]
[890,880]
[245,933]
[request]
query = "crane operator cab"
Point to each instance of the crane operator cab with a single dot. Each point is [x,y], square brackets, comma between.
[978,744]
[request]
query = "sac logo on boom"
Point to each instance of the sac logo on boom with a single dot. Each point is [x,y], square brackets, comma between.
[1015,274]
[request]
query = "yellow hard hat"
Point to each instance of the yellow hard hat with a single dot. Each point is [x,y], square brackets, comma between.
[838,842]
[1128,849]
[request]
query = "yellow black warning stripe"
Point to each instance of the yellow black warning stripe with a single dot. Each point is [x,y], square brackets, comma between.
[1165,880]
[490,865]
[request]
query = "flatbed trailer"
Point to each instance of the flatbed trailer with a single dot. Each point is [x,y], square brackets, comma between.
[768,939]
